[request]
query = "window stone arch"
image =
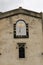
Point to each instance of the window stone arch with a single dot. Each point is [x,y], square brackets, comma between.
[21,29]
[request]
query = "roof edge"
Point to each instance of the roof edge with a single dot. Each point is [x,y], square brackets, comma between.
[20,10]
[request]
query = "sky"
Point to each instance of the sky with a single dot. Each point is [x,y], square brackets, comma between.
[34,5]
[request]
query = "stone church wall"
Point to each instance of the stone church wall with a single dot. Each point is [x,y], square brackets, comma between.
[9,54]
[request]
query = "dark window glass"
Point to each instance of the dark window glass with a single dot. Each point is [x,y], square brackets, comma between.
[21,52]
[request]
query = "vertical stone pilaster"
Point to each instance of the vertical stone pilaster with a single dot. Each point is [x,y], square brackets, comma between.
[42,22]
[42,38]
[42,33]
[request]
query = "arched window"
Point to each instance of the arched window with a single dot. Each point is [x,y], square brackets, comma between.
[20,29]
